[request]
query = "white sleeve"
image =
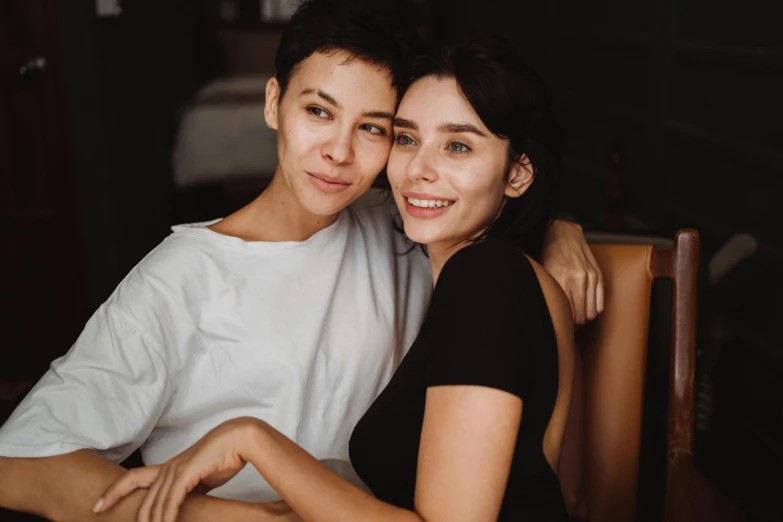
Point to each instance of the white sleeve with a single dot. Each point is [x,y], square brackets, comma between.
[106,393]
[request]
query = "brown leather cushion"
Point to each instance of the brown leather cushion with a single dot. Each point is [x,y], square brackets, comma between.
[603,466]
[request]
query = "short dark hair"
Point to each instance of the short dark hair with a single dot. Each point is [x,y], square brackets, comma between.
[511,100]
[374,31]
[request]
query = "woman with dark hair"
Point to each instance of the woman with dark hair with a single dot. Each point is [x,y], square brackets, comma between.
[471,425]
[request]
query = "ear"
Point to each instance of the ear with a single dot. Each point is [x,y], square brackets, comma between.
[272,100]
[520,177]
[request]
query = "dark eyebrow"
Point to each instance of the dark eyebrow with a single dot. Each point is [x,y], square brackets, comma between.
[379,114]
[329,99]
[323,95]
[459,127]
[405,124]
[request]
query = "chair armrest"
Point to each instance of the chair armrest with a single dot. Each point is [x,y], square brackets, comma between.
[692,497]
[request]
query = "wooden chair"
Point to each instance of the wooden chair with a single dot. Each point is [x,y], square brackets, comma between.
[600,460]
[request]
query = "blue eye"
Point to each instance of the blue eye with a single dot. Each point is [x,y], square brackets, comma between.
[318,112]
[459,148]
[404,139]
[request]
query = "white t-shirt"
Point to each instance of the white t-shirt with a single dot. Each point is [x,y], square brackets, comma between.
[303,335]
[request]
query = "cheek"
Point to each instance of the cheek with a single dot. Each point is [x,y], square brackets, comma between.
[398,161]
[376,154]
[484,192]
[370,159]
[296,140]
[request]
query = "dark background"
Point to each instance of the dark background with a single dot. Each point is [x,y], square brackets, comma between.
[672,111]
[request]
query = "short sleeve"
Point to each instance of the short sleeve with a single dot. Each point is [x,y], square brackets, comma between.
[484,321]
[106,393]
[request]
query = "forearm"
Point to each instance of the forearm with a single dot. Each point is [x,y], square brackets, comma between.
[313,491]
[65,488]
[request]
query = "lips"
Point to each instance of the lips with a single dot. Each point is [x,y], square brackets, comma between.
[328,179]
[328,184]
[426,200]
[423,205]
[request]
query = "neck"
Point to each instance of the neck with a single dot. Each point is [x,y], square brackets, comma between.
[276,215]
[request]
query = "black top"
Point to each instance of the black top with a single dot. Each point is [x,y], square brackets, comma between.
[489,325]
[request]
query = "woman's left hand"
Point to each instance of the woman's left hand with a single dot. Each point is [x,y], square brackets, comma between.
[209,463]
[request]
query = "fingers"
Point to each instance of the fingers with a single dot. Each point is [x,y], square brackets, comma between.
[579,308]
[585,289]
[590,284]
[128,483]
[578,283]
[162,497]
[180,487]
[599,295]
[169,492]
[590,296]
[145,511]
[572,300]
[598,285]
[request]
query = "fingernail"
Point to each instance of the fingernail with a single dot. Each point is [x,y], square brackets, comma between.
[98,505]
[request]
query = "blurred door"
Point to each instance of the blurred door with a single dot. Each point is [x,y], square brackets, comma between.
[43,280]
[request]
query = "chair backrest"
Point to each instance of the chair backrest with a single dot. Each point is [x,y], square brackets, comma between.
[600,459]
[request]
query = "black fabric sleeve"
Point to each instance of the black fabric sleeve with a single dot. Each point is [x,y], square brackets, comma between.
[484,321]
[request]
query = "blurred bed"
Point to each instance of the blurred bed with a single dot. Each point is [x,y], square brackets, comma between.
[224,153]
[223,137]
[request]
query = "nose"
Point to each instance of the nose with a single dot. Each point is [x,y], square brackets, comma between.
[339,148]
[420,167]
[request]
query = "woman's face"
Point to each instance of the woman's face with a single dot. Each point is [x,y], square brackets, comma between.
[448,172]
[334,129]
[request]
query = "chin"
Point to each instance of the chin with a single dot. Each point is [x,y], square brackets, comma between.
[325,204]
[419,234]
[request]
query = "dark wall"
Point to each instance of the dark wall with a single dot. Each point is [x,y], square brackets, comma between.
[128,79]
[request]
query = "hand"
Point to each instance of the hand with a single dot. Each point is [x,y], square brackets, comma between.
[209,463]
[567,257]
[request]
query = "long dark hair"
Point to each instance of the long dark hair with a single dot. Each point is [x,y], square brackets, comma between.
[512,102]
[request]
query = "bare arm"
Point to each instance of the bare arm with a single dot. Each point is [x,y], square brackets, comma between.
[64,488]
[478,424]
[314,492]
[467,443]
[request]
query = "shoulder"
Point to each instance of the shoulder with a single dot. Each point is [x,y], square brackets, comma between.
[167,276]
[496,281]
[557,302]
[485,319]
[484,284]
[501,270]
[186,250]
[491,265]
[488,251]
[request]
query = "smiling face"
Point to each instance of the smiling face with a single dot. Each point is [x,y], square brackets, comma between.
[450,175]
[334,129]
